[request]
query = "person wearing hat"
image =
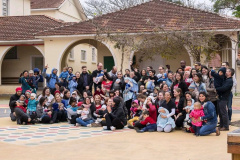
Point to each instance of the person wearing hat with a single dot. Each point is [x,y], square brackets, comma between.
[38,77]
[13,102]
[32,81]
[115,117]
[50,78]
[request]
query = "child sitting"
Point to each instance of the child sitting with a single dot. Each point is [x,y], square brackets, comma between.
[218,77]
[163,122]
[195,115]
[32,106]
[188,107]
[149,122]
[22,105]
[136,112]
[64,76]
[83,116]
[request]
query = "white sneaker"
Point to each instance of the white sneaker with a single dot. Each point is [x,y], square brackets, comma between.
[113,128]
[77,124]
[89,125]
[105,127]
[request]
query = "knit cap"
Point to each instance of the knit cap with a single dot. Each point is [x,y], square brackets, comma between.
[18,89]
[33,95]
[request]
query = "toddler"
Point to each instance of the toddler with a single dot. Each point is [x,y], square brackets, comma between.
[136,112]
[64,76]
[195,115]
[32,106]
[22,105]
[32,81]
[188,107]
[99,77]
[149,122]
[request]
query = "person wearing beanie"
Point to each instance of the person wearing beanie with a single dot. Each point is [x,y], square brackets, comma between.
[13,102]
[219,77]
[32,106]
[115,116]
[38,77]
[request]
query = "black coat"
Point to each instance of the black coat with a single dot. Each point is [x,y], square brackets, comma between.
[180,104]
[12,102]
[80,81]
[181,85]
[225,90]
[117,112]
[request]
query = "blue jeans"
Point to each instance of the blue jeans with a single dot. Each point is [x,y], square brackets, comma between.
[150,127]
[208,128]
[229,105]
[84,123]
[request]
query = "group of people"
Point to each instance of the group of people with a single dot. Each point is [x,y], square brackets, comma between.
[192,98]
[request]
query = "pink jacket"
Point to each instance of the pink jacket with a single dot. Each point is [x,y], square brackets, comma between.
[195,114]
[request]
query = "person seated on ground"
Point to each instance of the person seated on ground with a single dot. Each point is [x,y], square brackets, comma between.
[59,110]
[164,123]
[115,117]
[27,95]
[136,112]
[195,117]
[44,113]
[84,118]
[151,125]
[13,102]
[72,111]
[46,93]
[20,112]
[190,107]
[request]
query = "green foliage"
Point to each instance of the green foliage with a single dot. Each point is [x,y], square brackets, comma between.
[233,5]
[237,12]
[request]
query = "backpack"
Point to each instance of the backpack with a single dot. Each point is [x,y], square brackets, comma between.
[50,77]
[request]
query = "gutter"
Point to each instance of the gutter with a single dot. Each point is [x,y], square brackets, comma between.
[44,9]
[17,42]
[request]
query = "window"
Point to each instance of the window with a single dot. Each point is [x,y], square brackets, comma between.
[12,53]
[71,55]
[93,55]
[5,7]
[83,55]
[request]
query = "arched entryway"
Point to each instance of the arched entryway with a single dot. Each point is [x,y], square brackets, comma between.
[157,60]
[18,58]
[87,52]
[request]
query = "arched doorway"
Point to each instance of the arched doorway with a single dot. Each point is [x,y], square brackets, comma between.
[157,60]
[87,52]
[16,59]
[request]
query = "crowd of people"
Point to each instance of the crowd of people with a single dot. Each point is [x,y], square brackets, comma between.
[191,99]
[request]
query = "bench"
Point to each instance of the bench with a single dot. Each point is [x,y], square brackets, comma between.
[234,144]
[10,80]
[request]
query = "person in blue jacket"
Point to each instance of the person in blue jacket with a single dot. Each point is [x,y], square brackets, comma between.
[50,78]
[38,77]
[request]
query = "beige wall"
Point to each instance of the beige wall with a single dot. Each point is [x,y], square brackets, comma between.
[13,67]
[102,52]
[68,12]
[19,7]
[77,63]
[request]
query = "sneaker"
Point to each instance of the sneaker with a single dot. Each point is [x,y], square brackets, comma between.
[105,127]
[51,122]
[131,127]
[151,130]
[224,129]
[140,131]
[113,128]
[89,125]
[77,125]
[217,132]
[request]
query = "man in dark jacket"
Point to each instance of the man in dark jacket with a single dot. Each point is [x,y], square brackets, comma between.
[224,92]
[85,81]
[13,102]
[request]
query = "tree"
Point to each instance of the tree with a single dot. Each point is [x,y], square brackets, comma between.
[233,5]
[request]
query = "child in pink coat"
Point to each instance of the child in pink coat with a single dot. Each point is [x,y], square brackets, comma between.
[195,116]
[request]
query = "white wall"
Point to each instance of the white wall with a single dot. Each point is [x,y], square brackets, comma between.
[19,7]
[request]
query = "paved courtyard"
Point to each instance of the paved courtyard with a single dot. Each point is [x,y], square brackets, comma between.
[63,141]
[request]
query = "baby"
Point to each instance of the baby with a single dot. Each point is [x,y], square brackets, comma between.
[99,77]
[188,107]
[163,122]
[64,75]
[100,113]
[84,112]
[21,103]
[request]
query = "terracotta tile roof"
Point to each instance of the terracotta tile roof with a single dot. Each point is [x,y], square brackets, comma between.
[168,15]
[40,4]
[24,27]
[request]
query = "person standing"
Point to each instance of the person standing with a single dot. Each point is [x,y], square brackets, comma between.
[96,74]
[224,93]
[50,78]
[85,82]
[183,64]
